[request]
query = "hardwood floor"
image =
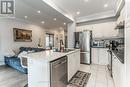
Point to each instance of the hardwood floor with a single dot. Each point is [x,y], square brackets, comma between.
[10,77]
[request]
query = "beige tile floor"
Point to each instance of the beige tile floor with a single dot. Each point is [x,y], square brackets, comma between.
[100,76]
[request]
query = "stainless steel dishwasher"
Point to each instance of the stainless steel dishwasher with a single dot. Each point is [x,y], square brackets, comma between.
[59,72]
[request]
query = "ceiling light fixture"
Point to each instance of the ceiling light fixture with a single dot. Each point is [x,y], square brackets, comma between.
[25,17]
[42,22]
[86,0]
[39,12]
[54,19]
[64,23]
[106,5]
[77,12]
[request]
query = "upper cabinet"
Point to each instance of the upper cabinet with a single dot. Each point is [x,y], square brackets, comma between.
[121,23]
[122,16]
[100,30]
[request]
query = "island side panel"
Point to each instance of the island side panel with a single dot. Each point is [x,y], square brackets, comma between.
[73,63]
[38,73]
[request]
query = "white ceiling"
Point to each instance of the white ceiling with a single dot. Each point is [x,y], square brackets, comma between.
[29,8]
[88,8]
[63,10]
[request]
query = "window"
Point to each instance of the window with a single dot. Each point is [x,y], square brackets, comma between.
[49,40]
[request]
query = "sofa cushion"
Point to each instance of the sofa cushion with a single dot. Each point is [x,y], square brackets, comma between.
[31,49]
[14,62]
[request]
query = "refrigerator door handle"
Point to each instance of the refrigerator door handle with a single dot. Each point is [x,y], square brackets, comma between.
[83,40]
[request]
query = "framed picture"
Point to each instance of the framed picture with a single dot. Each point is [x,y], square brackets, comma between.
[22,35]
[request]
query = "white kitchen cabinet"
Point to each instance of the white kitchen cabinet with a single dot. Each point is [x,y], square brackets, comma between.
[100,30]
[127,45]
[73,64]
[103,56]
[117,71]
[95,55]
[77,62]
[99,56]
[70,66]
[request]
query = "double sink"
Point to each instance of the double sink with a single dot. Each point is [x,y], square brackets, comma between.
[68,50]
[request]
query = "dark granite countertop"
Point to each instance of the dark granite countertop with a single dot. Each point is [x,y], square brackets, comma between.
[98,47]
[119,55]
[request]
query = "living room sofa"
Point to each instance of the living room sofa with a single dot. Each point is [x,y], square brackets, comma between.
[14,61]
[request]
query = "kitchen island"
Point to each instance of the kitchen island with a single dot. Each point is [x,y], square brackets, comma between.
[39,67]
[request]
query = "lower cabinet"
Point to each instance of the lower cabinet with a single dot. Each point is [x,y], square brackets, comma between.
[100,56]
[95,56]
[73,64]
[117,71]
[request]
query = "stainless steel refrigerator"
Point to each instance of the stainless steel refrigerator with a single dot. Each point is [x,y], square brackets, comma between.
[83,41]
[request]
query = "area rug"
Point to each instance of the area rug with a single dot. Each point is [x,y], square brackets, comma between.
[80,79]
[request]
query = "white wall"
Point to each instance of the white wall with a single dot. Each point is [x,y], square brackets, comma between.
[127,44]
[70,32]
[99,30]
[6,35]
[57,34]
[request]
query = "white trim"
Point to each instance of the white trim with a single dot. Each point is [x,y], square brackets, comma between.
[119,4]
[102,15]
[51,4]
[96,16]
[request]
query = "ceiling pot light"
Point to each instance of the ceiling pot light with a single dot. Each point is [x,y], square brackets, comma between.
[39,12]
[25,17]
[86,0]
[64,23]
[54,19]
[42,22]
[77,12]
[106,5]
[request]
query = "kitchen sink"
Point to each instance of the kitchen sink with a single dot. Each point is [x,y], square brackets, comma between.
[68,50]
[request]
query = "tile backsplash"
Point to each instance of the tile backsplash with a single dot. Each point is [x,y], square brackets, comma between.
[104,42]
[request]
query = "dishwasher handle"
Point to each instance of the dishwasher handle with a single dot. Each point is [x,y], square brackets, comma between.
[59,64]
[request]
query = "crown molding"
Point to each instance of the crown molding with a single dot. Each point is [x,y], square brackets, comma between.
[97,16]
[119,4]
